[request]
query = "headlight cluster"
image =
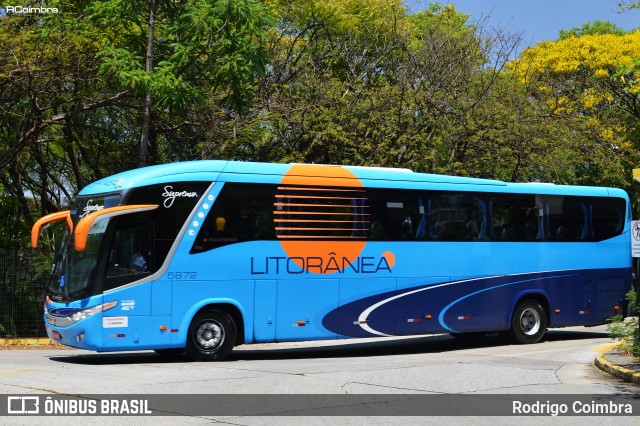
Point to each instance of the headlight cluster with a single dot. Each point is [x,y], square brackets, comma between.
[86,313]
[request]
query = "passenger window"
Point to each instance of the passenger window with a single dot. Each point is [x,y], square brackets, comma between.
[565,218]
[607,217]
[242,212]
[176,201]
[457,216]
[514,217]
[396,215]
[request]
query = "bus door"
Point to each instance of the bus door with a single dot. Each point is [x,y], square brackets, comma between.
[163,325]
[264,318]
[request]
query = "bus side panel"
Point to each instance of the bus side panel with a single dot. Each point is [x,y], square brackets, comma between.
[476,304]
[130,325]
[264,320]
[605,292]
[396,311]
[419,304]
[126,333]
[302,305]
[352,320]
[161,297]
[570,299]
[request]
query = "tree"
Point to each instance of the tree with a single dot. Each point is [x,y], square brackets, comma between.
[589,82]
[368,84]
[47,84]
[591,28]
[588,70]
[628,5]
[173,55]
[73,84]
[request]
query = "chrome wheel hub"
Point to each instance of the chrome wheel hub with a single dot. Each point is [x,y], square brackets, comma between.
[530,321]
[209,335]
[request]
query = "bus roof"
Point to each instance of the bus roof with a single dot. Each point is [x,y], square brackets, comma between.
[237,171]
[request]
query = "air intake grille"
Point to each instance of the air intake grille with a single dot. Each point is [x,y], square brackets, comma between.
[321,213]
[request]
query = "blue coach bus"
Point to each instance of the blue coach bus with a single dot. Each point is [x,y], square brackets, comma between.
[199,257]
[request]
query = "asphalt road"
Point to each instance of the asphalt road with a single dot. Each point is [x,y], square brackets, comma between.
[560,365]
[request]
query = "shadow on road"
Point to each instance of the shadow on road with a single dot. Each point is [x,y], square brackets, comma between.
[361,348]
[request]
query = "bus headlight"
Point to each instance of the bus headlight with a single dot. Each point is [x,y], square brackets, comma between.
[86,313]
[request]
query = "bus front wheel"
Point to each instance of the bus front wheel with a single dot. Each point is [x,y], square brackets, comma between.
[212,336]
[529,322]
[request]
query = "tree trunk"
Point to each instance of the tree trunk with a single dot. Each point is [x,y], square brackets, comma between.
[148,100]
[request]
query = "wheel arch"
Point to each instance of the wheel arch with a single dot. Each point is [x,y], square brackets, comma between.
[537,295]
[229,306]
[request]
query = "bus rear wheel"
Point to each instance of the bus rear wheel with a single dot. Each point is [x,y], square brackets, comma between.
[529,322]
[212,336]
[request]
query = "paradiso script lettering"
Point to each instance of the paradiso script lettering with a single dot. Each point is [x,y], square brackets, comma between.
[170,195]
[90,208]
[319,265]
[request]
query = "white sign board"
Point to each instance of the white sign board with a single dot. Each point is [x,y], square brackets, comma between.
[635,238]
[115,322]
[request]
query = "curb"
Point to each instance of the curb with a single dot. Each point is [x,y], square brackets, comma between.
[615,370]
[18,341]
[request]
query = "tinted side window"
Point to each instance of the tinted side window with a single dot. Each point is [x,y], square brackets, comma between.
[457,216]
[130,256]
[514,217]
[396,215]
[566,218]
[176,201]
[130,252]
[607,217]
[242,212]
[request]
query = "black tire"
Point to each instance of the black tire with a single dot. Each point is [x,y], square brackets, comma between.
[212,336]
[529,322]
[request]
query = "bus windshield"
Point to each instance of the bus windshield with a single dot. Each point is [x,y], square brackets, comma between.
[73,269]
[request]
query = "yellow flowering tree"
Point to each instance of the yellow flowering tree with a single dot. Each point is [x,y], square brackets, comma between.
[591,78]
[593,70]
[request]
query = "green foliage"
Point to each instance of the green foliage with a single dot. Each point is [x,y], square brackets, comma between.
[591,28]
[23,277]
[628,5]
[589,83]
[446,20]
[197,44]
[348,87]
[627,331]
[328,81]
